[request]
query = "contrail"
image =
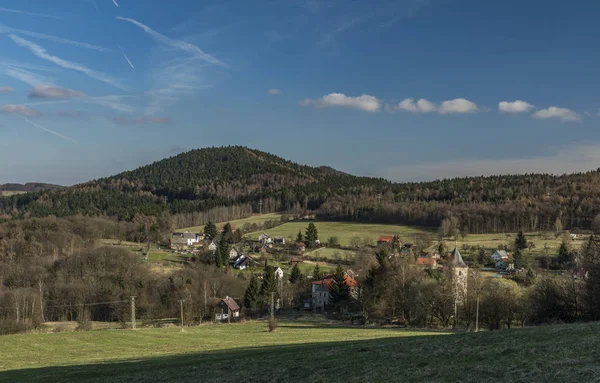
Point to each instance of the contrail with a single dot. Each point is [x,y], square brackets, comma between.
[50,131]
[182,45]
[126,58]
[30,13]
[115,1]
[6,29]
[41,53]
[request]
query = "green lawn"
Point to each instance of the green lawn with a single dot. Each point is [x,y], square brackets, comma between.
[9,193]
[492,241]
[331,253]
[345,231]
[257,219]
[304,353]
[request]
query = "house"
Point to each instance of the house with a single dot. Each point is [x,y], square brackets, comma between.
[212,247]
[242,262]
[227,308]
[233,253]
[320,291]
[301,247]
[278,272]
[385,240]
[279,240]
[265,239]
[427,262]
[183,240]
[295,260]
[178,243]
[499,255]
[504,264]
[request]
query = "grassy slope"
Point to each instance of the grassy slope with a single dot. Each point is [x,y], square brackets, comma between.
[258,219]
[345,231]
[246,352]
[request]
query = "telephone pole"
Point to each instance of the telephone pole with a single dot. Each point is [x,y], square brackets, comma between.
[379,198]
[477,313]
[181,312]
[260,205]
[132,312]
[272,308]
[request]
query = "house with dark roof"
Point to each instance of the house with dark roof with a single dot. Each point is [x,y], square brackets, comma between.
[499,255]
[228,309]
[184,240]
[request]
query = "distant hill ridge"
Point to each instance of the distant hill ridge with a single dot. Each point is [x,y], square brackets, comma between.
[246,181]
[29,187]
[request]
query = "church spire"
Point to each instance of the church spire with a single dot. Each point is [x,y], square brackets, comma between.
[457,260]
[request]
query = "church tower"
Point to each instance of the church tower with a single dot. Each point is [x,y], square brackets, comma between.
[460,275]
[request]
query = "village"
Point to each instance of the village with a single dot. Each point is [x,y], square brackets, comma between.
[283,257]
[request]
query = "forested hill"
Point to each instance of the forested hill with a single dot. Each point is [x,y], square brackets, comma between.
[28,187]
[234,180]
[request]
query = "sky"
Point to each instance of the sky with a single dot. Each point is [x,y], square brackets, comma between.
[409,90]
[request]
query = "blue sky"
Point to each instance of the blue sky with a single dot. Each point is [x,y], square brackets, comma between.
[405,89]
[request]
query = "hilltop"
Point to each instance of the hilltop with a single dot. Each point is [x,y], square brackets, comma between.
[29,187]
[243,181]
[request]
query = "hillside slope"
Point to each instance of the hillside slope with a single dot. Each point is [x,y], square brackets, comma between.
[301,353]
[238,178]
[29,187]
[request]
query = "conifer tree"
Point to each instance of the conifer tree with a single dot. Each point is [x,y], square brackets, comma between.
[339,290]
[210,230]
[252,294]
[520,241]
[269,282]
[317,273]
[565,256]
[295,274]
[299,237]
[311,235]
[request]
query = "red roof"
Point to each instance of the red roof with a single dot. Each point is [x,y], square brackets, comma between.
[426,261]
[385,238]
[300,244]
[351,282]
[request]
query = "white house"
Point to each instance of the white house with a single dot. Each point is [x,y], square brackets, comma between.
[212,247]
[278,273]
[498,255]
[265,239]
[233,253]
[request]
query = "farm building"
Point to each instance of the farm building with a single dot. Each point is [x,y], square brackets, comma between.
[227,308]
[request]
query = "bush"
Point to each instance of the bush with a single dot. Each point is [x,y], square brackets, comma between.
[273,324]
[8,326]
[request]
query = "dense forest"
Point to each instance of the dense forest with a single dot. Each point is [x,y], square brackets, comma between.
[192,185]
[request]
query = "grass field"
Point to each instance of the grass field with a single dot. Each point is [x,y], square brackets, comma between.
[304,353]
[9,193]
[345,231]
[492,241]
[331,253]
[257,219]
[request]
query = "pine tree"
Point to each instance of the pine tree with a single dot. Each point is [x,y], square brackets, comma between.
[518,259]
[252,294]
[565,257]
[520,241]
[299,237]
[222,252]
[317,273]
[339,290]
[295,274]
[227,233]
[210,230]
[269,282]
[311,235]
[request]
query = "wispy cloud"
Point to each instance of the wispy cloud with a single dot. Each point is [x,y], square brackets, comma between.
[177,44]
[50,131]
[517,106]
[21,110]
[569,159]
[8,30]
[364,102]
[71,114]
[274,91]
[54,92]
[6,89]
[564,114]
[126,58]
[115,3]
[41,53]
[24,73]
[142,120]
[455,106]
[7,10]
[114,102]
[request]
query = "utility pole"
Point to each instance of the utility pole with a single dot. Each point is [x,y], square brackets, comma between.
[379,198]
[477,313]
[181,312]
[260,205]
[132,312]
[272,308]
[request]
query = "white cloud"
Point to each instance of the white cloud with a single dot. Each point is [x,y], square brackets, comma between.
[21,110]
[23,73]
[516,106]
[54,92]
[274,91]
[181,45]
[363,102]
[421,106]
[41,53]
[50,131]
[6,89]
[458,105]
[563,114]
[565,160]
